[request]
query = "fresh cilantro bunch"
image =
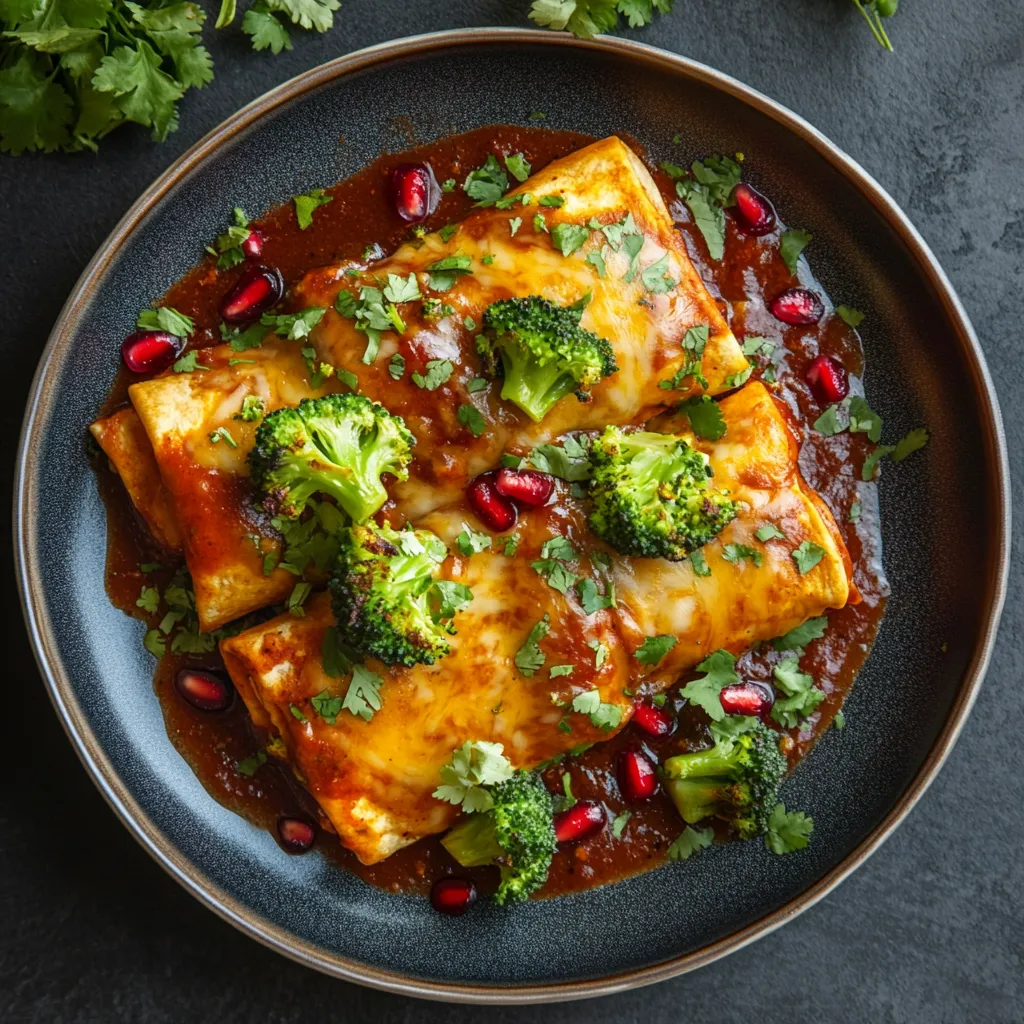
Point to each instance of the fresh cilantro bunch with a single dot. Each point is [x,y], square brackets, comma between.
[264,21]
[586,18]
[73,70]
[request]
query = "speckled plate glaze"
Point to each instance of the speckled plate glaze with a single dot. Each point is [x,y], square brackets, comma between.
[945,522]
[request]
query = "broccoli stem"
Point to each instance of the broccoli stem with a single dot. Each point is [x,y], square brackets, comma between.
[473,841]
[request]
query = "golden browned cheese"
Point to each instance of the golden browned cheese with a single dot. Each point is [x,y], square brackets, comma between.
[223,536]
[374,779]
[599,185]
[740,602]
[123,440]
[207,482]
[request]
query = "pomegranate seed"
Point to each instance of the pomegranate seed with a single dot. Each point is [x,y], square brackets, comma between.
[256,291]
[827,378]
[527,486]
[452,896]
[414,191]
[253,245]
[494,511]
[581,821]
[751,698]
[637,778]
[206,691]
[797,306]
[652,720]
[297,834]
[150,351]
[754,214]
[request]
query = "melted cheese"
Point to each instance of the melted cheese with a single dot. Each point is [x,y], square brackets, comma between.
[206,480]
[374,779]
[600,184]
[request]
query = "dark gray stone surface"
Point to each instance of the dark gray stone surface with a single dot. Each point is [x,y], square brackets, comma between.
[929,930]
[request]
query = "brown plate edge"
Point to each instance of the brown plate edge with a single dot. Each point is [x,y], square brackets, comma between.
[96,762]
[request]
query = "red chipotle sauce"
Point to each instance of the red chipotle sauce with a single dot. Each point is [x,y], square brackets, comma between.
[223,747]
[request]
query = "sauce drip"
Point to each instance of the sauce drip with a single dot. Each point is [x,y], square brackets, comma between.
[751,273]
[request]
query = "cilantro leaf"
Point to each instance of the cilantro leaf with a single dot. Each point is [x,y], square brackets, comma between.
[800,636]
[307,203]
[602,715]
[788,830]
[699,563]
[567,238]
[706,419]
[402,289]
[557,575]
[486,184]
[863,420]
[719,672]
[807,556]
[166,319]
[769,532]
[363,695]
[654,648]
[656,278]
[469,416]
[583,18]
[689,842]
[265,30]
[473,767]
[708,195]
[144,93]
[737,553]
[871,462]
[592,599]
[791,244]
[801,695]
[569,462]
[619,823]
[311,14]
[469,542]
[518,166]
[35,110]
[912,442]
[438,371]
[530,657]
[849,315]
[326,706]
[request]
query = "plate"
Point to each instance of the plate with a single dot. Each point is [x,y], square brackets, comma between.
[945,522]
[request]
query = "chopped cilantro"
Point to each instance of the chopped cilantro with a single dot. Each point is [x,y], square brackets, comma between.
[486,184]
[530,657]
[654,648]
[443,273]
[477,384]
[769,532]
[306,204]
[363,695]
[396,366]
[800,636]
[855,510]
[699,563]
[569,462]
[149,599]
[326,706]
[656,278]
[602,715]
[297,713]
[514,225]
[863,420]
[849,315]
[560,670]
[801,696]
[447,231]
[223,434]
[600,652]
[708,195]
[871,462]
[788,830]
[791,244]
[518,166]
[511,546]
[402,289]
[469,416]
[807,556]
[619,823]
[592,599]
[448,185]
[166,319]
[539,222]
[597,260]
[249,766]
[438,371]
[567,238]
[719,672]
[188,363]
[912,442]
[689,842]
[473,768]
[469,542]
[706,419]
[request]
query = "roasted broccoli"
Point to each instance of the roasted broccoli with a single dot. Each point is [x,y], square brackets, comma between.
[651,496]
[544,353]
[517,834]
[338,445]
[737,779]
[385,598]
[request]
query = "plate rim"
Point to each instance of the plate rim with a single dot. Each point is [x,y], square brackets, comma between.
[93,756]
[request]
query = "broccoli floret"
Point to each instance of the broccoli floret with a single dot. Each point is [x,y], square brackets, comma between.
[544,353]
[651,496]
[337,445]
[517,834]
[385,598]
[737,780]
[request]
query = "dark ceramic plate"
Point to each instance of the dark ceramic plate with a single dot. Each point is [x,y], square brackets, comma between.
[946,522]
